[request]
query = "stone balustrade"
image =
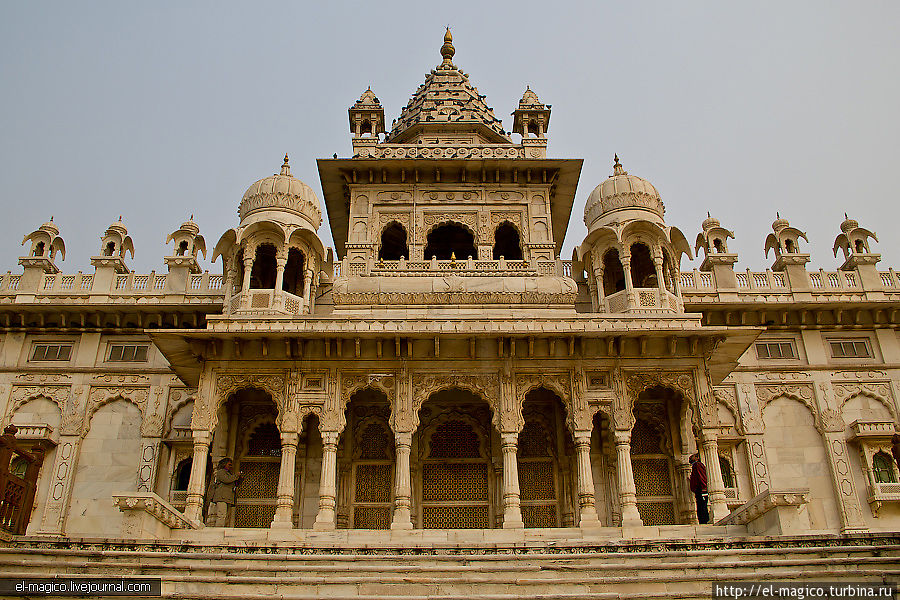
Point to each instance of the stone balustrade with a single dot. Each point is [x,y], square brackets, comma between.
[149,516]
[773,512]
[463,267]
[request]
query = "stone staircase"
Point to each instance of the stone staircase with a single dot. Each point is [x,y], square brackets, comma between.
[541,570]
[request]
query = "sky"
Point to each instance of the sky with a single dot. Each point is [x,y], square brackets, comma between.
[159,110]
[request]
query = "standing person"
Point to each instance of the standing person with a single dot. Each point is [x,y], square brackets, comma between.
[698,486]
[220,495]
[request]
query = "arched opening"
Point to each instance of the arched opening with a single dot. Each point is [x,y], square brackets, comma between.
[860,247]
[455,448]
[182,249]
[450,239]
[656,440]
[365,127]
[789,246]
[247,434]
[728,480]
[39,249]
[544,457]
[883,468]
[182,475]
[393,243]
[109,249]
[613,274]
[366,456]
[262,275]
[643,273]
[533,127]
[718,246]
[292,282]
[507,243]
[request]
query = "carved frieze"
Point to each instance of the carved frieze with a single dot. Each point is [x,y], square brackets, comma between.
[802,392]
[228,384]
[41,378]
[879,391]
[353,382]
[100,396]
[22,394]
[483,385]
[431,219]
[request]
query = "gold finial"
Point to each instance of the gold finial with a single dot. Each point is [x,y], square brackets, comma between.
[120,218]
[192,217]
[708,216]
[845,217]
[286,168]
[618,169]
[447,50]
[51,218]
[777,215]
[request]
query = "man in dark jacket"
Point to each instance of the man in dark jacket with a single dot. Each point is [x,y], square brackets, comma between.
[698,486]
[221,496]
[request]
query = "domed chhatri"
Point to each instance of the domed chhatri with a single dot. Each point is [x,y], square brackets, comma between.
[281,193]
[622,192]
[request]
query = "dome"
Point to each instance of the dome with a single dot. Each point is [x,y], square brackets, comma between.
[282,193]
[50,227]
[710,222]
[849,224]
[779,223]
[622,191]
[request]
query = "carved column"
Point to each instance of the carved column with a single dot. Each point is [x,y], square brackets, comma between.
[586,505]
[512,512]
[601,293]
[717,501]
[284,510]
[660,280]
[194,507]
[402,518]
[625,479]
[245,285]
[307,287]
[685,503]
[146,476]
[60,493]
[228,284]
[751,420]
[278,297]
[327,484]
[629,285]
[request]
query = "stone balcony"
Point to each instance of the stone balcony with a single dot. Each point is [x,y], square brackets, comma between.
[265,302]
[643,300]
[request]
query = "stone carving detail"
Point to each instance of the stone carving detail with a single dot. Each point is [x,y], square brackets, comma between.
[178,397]
[879,391]
[44,377]
[725,395]
[354,382]
[273,384]
[513,217]
[782,376]
[120,379]
[851,513]
[147,468]
[426,384]
[444,151]
[802,392]
[370,298]
[385,218]
[832,420]
[23,394]
[151,503]
[860,375]
[71,420]
[752,422]
[432,219]
[103,395]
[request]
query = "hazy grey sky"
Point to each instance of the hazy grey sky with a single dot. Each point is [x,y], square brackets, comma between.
[157,110]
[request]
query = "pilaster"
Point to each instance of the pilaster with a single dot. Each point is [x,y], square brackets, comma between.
[60,494]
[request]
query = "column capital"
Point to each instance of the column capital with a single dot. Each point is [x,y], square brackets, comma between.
[622,436]
[330,438]
[290,438]
[202,437]
[403,438]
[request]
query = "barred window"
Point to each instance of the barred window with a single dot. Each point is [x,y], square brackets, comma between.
[128,352]
[727,472]
[51,352]
[883,468]
[776,350]
[850,349]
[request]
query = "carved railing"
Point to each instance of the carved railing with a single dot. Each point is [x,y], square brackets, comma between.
[769,281]
[17,490]
[646,300]
[256,301]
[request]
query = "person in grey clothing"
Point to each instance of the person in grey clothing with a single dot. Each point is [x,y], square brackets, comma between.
[220,495]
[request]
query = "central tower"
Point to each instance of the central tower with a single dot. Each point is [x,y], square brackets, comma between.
[446,209]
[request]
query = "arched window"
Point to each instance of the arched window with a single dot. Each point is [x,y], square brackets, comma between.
[293,273]
[789,246]
[643,273]
[365,127]
[448,239]
[718,247]
[265,441]
[860,247]
[262,276]
[613,274]
[182,249]
[110,249]
[506,242]
[182,475]
[883,468]
[727,472]
[393,243]
[39,249]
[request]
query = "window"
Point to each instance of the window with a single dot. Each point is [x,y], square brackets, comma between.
[51,352]
[727,472]
[883,469]
[776,350]
[128,352]
[850,349]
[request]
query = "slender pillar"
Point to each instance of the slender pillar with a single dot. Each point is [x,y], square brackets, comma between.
[245,285]
[717,501]
[327,484]
[627,492]
[60,493]
[661,283]
[194,507]
[228,285]
[601,295]
[278,297]
[586,504]
[307,287]
[402,518]
[512,512]
[629,285]
[284,510]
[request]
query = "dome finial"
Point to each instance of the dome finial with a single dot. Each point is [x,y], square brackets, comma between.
[286,168]
[777,215]
[845,217]
[447,50]
[618,169]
